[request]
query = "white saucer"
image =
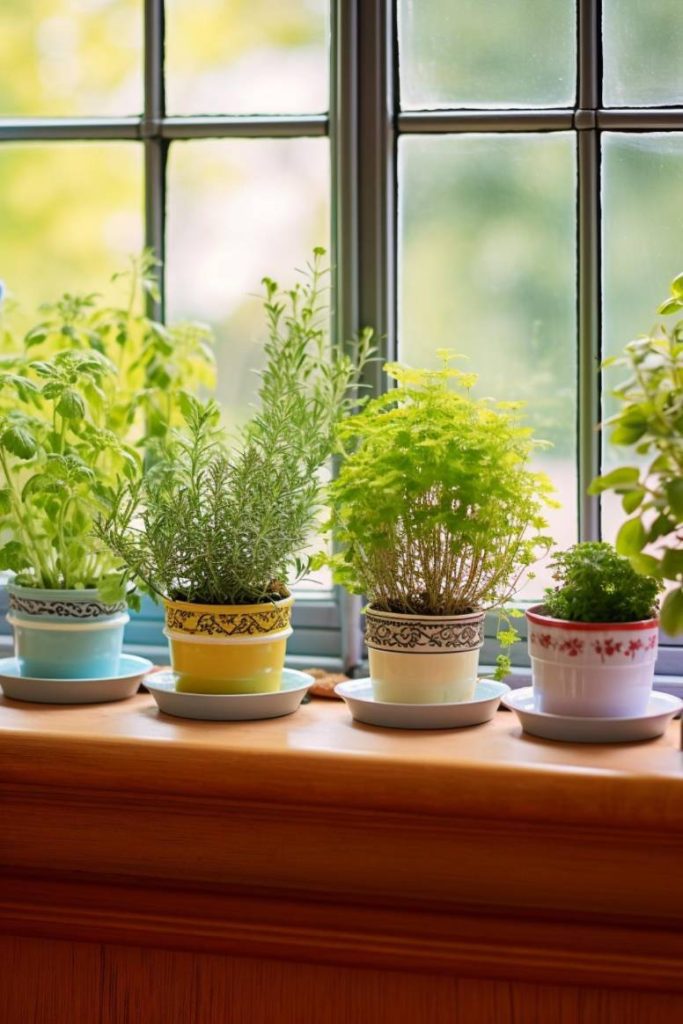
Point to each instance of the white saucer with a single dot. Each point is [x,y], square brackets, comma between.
[574,729]
[124,684]
[364,708]
[229,707]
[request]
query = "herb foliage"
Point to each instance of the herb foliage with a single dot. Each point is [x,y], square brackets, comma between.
[227,524]
[83,394]
[595,584]
[650,421]
[435,510]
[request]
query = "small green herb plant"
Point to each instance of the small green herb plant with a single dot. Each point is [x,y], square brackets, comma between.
[435,510]
[58,465]
[595,584]
[84,395]
[650,421]
[152,360]
[219,523]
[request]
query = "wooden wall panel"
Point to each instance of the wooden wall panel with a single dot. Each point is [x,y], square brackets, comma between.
[307,871]
[177,988]
[59,982]
[49,982]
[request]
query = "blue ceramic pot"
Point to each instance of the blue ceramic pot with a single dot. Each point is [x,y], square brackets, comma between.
[65,634]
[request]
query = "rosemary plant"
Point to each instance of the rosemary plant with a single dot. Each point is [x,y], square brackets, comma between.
[227,524]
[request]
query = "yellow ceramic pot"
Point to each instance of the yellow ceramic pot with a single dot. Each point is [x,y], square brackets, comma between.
[228,648]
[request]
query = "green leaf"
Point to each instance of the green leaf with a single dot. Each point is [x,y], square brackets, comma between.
[36,336]
[672,612]
[13,557]
[631,538]
[43,369]
[41,483]
[19,442]
[677,287]
[627,434]
[672,563]
[646,565]
[632,500]
[5,500]
[674,494]
[625,475]
[71,406]
[670,306]
[112,588]
[53,389]
[660,527]
[662,464]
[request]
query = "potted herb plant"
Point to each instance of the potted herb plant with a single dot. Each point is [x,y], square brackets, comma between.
[437,515]
[82,394]
[218,531]
[593,641]
[650,421]
[67,601]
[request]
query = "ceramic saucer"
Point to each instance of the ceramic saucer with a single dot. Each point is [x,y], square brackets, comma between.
[229,707]
[74,691]
[364,708]
[574,729]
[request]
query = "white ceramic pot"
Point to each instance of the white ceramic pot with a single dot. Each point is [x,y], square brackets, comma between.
[592,669]
[423,659]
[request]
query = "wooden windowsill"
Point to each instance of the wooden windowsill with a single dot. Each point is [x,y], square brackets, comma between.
[310,836]
[319,756]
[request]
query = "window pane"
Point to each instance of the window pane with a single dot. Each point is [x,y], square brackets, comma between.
[71,213]
[247,56]
[487,267]
[487,53]
[642,44]
[70,57]
[239,210]
[643,227]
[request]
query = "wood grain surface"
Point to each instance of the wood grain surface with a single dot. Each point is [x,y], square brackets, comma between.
[307,869]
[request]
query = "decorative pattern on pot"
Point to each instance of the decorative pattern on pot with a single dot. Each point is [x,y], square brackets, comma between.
[65,634]
[228,648]
[593,669]
[420,659]
[226,621]
[59,609]
[385,631]
[592,643]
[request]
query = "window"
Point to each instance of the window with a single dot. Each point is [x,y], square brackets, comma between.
[479,188]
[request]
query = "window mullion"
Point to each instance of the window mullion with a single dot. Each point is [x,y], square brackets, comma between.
[155,146]
[377,118]
[588,263]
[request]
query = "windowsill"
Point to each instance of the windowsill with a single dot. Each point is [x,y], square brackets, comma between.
[319,755]
[311,838]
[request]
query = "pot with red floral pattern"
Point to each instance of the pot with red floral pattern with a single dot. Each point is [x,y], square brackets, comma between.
[591,669]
